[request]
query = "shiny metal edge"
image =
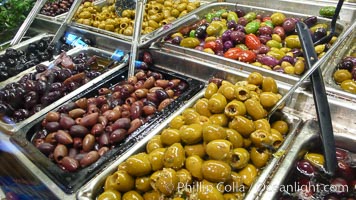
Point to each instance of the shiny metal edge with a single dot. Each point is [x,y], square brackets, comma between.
[58,18]
[12,128]
[199,13]
[308,137]
[346,45]
[90,191]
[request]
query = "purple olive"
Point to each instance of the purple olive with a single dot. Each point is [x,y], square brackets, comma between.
[176,40]
[345,64]
[289,59]
[310,21]
[228,44]
[318,34]
[305,167]
[267,60]
[242,21]
[226,35]
[265,30]
[263,49]
[240,13]
[289,25]
[351,58]
[237,37]
[264,38]
[231,24]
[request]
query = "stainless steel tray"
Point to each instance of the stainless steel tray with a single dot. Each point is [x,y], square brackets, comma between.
[101,3]
[200,13]
[58,18]
[11,128]
[69,182]
[307,139]
[95,186]
[347,46]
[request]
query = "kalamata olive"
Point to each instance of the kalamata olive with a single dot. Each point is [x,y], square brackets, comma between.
[41,68]
[265,30]
[310,21]
[267,60]
[89,158]
[149,110]
[122,123]
[318,34]
[305,167]
[113,115]
[103,120]
[219,45]
[351,58]
[152,97]
[66,122]
[52,126]
[161,94]
[104,139]
[341,154]
[60,152]
[118,135]
[97,129]
[226,35]
[100,100]
[89,120]
[80,156]
[147,57]
[77,142]
[164,104]
[72,152]
[92,108]
[78,131]
[88,142]
[263,49]
[46,148]
[136,110]
[40,87]
[339,185]
[134,125]
[237,37]
[103,150]
[69,164]
[239,12]
[289,25]
[279,31]
[344,170]
[63,137]
[67,107]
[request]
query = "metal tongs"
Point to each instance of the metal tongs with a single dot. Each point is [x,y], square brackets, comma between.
[320,99]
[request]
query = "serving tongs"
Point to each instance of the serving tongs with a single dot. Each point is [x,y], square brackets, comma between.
[28,21]
[320,99]
[328,37]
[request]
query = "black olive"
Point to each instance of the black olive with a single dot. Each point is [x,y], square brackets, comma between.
[11,53]
[41,68]
[32,47]
[10,62]
[3,75]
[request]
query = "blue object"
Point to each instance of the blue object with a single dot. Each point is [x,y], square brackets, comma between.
[117,55]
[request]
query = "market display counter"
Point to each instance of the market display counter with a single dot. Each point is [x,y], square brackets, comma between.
[57,149]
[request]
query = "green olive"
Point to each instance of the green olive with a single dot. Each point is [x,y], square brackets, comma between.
[315,159]
[165,181]
[154,143]
[269,85]
[153,24]
[292,41]
[191,134]
[195,149]
[143,183]
[190,42]
[242,93]
[234,137]
[255,78]
[219,119]
[190,116]
[177,122]
[211,89]
[184,176]
[219,149]
[262,124]
[240,158]
[132,195]
[261,138]
[203,120]
[277,138]
[217,103]
[247,142]
[255,109]
[170,136]
[201,106]
[174,156]
[216,171]
[110,195]
[215,28]
[299,67]
[235,180]
[138,165]
[124,182]
[259,157]
[152,195]
[209,192]
[281,126]
[234,108]
[213,132]
[278,18]
[342,75]
[194,165]
[156,158]
[85,15]
[248,174]
[349,86]
[268,99]
[227,89]
[242,125]
[234,196]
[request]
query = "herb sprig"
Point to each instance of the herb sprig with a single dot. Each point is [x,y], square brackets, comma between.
[13,13]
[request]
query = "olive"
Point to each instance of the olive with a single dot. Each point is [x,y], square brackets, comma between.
[342,75]
[110,194]
[234,108]
[142,184]
[122,181]
[240,158]
[349,86]
[152,195]
[213,132]
[234,137]
[216,171]
[219,149]
[184,176]
[209,192]
[217,103]
[131,195]
[281,126]
[261,138]
[194,165]
[255,78]
[170,136]
[165,181]
[211,89]
[248,174]
[242,125]
[174,156]
[201,106]
[154,143]
[191,134]
[259,157]
[177,122]
[269,85]
[138,165]
[316,159]
[196,149]
[156,158]
[278,18]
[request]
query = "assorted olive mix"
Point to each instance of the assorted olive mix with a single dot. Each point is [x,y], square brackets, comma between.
[345,73]
[80,132]
[268,41]
[311,181]
[223,140]
[46,84]
[157,14]
[57,7]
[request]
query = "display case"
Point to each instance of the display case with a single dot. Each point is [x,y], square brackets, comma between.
[32,171]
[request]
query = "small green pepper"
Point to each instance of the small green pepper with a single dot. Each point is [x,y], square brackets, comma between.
[252,27]
[250,16]
[267,23]
[327,11]
[192,33]
[232,16]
